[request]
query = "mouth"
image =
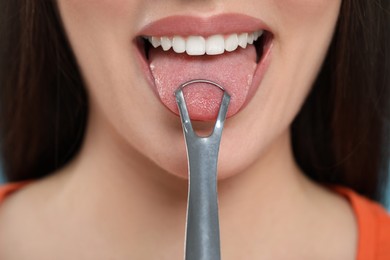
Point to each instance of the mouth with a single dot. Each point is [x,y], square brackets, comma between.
[232,50]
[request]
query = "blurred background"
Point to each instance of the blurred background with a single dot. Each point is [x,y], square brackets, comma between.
[2,180]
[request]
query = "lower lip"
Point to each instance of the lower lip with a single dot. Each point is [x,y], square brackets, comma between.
[258,76]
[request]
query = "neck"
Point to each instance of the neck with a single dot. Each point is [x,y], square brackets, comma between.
[110,180]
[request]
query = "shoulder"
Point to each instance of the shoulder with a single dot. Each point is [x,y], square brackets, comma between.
[24,213]
[373,224]
[8,189]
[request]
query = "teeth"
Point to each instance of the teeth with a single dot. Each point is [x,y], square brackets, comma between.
[215,45]
[166,43]
[198,45]
[155,41]
[243,40]
[251,38]
[257,35]
[179,44]
[231,42]
[195,45]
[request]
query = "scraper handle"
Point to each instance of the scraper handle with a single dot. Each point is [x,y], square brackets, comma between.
[202,228]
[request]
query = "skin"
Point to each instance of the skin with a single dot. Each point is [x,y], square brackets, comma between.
[124,194]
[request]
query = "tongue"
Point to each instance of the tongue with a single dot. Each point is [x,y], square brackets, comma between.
[234,71]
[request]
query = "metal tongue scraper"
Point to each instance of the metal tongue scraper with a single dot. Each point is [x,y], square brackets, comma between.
[202,228]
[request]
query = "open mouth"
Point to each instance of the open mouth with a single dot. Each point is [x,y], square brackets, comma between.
[237,61]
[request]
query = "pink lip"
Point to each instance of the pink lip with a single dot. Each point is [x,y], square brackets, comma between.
[204,26]
[218,24]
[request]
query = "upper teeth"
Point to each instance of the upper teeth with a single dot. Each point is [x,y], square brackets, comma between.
[198,45]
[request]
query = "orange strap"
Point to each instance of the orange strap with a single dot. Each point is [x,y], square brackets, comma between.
[373,224]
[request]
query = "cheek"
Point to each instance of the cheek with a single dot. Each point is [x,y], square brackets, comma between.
[100,33]
[303,31]
[296,16]
[114,16]
[98,8]
[305,8]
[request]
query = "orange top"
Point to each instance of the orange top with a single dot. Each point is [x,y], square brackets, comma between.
[373,222]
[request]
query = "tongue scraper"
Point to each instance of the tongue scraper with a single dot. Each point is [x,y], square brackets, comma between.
[202,228]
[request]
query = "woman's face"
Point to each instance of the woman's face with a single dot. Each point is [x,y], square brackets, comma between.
[131,83]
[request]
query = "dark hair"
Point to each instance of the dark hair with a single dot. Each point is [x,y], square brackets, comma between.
[43,104]
[341,135]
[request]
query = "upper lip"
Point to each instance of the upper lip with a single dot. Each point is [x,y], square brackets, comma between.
[203,26]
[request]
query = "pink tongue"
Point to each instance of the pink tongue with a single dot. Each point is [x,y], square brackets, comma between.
[234,71]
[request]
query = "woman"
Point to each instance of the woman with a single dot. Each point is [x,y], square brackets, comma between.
[88,119]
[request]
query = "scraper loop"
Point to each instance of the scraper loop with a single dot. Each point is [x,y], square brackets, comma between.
[185,117]
[202,240]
